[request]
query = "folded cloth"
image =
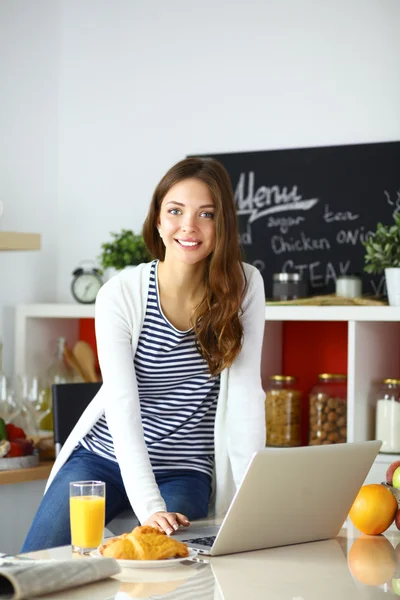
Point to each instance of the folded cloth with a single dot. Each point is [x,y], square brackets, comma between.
[27,578]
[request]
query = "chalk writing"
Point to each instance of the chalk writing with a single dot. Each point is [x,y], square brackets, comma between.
[267,200]
[395,203]
[259,264]
[305,243]
[352,236]
[379,288]
[319,274]
[284,223]
[330,217]
[245,237]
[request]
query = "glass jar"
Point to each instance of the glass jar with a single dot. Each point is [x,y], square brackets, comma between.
[328,410]
[288,286]
[387,415]
[282,412]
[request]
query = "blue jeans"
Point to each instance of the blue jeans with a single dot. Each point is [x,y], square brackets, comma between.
[184,491]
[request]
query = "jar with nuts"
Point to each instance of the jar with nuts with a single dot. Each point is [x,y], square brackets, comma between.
[328,410]
[283,411]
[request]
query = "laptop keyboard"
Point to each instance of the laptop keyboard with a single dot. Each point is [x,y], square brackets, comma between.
[204,541]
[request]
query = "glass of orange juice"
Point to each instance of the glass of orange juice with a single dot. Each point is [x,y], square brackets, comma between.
[87,508]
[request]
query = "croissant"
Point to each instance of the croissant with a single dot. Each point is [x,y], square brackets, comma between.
[144,543]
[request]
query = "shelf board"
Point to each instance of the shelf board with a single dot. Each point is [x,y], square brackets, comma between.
[56,311]
[332,313]
[42,471]
[272,313]
[11,240]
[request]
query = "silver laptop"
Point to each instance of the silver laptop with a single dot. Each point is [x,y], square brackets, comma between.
[288,496]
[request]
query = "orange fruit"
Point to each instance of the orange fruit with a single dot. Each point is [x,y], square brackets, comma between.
[372,559]
[374,509]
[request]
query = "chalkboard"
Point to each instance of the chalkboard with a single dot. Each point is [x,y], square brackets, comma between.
[308,210]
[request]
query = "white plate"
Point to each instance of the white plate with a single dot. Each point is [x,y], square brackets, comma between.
[149,564]
[19,462]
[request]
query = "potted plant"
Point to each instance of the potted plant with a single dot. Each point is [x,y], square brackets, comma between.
[125,250]
[383,255]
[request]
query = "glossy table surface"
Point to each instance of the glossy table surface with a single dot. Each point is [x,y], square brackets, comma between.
[348,567]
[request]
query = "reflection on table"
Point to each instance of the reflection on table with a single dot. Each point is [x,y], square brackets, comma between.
[349,567]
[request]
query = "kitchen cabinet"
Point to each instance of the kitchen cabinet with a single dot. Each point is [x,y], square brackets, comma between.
[373,350]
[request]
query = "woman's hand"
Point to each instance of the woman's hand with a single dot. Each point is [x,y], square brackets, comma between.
[167,521]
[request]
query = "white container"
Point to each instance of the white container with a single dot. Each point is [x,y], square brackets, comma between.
[349,286]
[392,276]
[387,424]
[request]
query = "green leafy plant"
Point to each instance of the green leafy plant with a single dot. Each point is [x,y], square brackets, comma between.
[383,247]
[125,250]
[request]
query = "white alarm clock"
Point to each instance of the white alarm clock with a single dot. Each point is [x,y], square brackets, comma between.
[85,284]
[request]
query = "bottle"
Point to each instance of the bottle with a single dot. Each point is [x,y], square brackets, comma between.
[283,412]
[328,410]
[57,372]
[387,415]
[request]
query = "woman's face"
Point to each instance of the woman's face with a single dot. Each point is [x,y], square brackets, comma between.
[186,222]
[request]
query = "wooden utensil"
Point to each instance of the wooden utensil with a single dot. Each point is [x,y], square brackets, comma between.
[74,363]
[84,354]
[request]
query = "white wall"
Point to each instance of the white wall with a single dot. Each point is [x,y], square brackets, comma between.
[131,87]
[28,154]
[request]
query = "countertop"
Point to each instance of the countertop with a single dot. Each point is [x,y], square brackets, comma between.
[348,567]
[42,471]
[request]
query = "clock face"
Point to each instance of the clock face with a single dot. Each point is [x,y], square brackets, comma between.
[85,287]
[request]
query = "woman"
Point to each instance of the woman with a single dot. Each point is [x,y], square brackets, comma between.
[181,408]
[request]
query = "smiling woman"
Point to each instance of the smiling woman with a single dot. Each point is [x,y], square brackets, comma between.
[211,278]
[179,345]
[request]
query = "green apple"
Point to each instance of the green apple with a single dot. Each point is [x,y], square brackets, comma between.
[396,586]
[396,478]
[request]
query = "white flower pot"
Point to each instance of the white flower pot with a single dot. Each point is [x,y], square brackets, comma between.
[392,276]
[110,272]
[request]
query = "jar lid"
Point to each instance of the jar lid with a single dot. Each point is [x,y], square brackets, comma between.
[287,277]
[337,376]
[286,378]
[391,381]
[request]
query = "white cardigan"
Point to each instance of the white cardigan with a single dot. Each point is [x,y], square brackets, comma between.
[240,418]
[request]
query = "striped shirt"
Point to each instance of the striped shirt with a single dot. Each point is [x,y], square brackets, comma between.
[178,397]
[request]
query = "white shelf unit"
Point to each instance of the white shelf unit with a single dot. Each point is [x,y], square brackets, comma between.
[37,327]
[373,349]
[373,353]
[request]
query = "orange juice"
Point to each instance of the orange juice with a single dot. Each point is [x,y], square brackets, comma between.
[87,514]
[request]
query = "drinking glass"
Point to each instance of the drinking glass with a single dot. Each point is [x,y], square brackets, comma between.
[87,503]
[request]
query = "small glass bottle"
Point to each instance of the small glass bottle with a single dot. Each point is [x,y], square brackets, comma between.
[57,372]
[328,410]
[387,415]
[283,412]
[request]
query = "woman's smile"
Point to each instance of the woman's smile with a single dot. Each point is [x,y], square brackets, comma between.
[188,244]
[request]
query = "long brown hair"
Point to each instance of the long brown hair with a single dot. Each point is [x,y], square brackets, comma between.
[216,320]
